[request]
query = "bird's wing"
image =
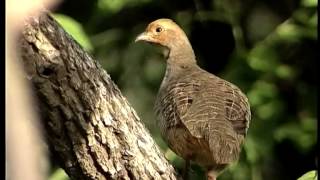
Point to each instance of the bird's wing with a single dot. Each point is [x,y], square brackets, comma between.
[236,106]
[175,102]
[204,103]
[209,104]
[211,109]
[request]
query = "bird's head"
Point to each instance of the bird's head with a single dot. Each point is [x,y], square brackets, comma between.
[168,34]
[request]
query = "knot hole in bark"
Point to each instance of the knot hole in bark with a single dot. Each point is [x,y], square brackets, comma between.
[47,71]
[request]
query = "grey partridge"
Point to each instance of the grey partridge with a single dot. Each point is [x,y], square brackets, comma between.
[202,117]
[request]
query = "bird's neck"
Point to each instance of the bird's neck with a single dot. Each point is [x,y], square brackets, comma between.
[181,55]
[178,62]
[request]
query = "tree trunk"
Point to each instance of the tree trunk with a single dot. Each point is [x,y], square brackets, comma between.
[90,126]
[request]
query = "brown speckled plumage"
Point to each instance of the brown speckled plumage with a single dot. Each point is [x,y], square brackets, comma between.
[202,117]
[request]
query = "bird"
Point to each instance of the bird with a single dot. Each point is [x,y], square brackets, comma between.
[203,118]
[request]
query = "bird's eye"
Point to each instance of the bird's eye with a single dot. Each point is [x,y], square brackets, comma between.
[158,29]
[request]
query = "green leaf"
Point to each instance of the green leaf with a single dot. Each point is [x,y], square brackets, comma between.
[111,5]
[268,110]
[75,29]
[251,150]
[262,92]
[311,175]
[289,31]
[313,21]
[302,134]
[285,72]
[114,6]
[59,174]
[263,57]
[309,3]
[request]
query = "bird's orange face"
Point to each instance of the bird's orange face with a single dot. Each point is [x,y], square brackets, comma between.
[154,33]
[162,32]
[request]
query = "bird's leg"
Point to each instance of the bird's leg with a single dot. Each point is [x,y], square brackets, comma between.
[211,175]
[186,169]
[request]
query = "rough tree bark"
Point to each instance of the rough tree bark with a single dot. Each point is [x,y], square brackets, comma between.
[90,126]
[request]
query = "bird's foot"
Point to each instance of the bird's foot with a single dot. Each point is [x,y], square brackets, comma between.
[211,175]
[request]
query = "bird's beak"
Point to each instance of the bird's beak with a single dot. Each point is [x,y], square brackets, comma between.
[142,37]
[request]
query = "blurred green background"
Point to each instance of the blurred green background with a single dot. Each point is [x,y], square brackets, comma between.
[266,47]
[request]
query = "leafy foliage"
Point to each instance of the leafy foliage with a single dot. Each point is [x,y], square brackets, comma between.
[75,29]
[311,175]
